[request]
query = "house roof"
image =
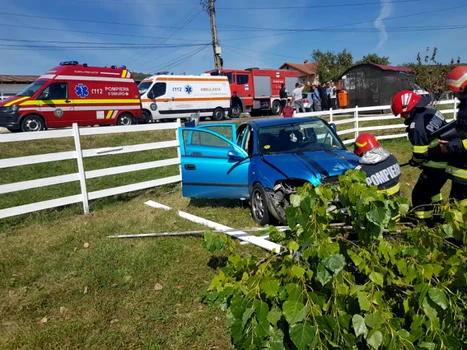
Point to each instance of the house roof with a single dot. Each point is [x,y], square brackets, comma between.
[394,68]
[307,68]
[11,79]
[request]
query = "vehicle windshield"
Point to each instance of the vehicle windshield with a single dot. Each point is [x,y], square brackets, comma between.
[144,86]
[32,88]
[306,136]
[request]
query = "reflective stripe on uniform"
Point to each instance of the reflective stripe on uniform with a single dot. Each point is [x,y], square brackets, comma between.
[437,198]
[424,214]
[435,165]
[433,143]
[457,172]
[464,142]
[420,149]
[391,190]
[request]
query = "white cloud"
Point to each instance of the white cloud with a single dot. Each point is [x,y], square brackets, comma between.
[386,11]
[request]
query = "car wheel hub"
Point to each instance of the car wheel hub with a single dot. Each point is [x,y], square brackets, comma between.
[32,125]
[258,205]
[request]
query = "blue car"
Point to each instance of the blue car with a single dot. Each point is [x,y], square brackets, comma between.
[262,161]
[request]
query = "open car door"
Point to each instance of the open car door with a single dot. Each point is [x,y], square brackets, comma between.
[206,158]
[226,130]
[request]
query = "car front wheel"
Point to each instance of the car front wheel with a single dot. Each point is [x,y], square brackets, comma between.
[259,205]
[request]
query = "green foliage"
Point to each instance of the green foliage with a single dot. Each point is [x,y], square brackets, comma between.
[331,65]
[138,76]
[374,59]
[390,289]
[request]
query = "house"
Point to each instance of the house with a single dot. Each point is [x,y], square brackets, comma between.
[10,85]
[306,71]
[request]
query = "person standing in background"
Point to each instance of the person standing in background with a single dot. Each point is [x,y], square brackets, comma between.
[287,111]
[283,95]
[323,94]
[316,99]
[298,98]
[333,96]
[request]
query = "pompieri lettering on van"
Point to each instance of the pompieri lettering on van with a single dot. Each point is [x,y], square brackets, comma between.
[384,175]
[117,90]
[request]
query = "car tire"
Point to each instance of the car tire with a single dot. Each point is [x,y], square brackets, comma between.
[218,114]
[235,111]
[32,123]
[125,119]
[147,116]
[276,108]
[13,129]
[259,205]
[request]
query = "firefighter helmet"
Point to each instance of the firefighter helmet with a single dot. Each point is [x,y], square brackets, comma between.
[457,79]
[404,101]
[364,143]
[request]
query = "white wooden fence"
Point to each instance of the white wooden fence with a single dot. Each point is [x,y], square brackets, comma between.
[82,175]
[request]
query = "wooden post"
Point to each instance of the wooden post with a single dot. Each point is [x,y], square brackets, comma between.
[82,174]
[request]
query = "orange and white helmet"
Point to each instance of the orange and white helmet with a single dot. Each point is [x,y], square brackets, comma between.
[456,79]
[404,101]
[365,143]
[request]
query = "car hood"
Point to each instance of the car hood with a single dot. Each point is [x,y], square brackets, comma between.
[313,166]
[9,99]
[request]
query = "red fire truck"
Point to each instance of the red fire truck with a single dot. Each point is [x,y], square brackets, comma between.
[256,89]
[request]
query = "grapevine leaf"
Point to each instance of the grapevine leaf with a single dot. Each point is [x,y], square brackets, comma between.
[302,335]
[363,301]
[375,339]
[358,323]
[323,275]
[274,316]
[298,271]
[262,328]
[269,286]
[334,263]
[429,346]
[246,316]
[294,312]
[438,297]
[261,309]
[374,320]
[377,278]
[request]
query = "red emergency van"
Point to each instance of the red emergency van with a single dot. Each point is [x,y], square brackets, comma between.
[74,93]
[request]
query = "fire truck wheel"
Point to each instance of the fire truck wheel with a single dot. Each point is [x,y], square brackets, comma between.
[147,116]
[32,123]
[125,119]
[276,108]
[235,111]
[219,114]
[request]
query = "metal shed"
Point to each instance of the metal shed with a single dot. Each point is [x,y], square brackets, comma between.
[375,84]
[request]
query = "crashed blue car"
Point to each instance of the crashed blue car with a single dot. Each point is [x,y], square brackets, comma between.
[263,161]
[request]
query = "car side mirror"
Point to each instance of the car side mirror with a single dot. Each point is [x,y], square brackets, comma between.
[234,155]
[333,127]
[151,95]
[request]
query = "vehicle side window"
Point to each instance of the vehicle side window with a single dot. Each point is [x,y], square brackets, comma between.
[202,138]
[54,91]
[159,89]
[242,79]
[249,145]
[241,133]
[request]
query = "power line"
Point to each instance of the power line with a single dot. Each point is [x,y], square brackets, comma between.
[95,43]
[241,53]
[180,60]
[315,6]
[269,53]
[62,47]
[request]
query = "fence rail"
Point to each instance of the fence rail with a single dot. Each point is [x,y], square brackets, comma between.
[335,116]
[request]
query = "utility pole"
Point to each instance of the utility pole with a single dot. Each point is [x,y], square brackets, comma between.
[218,62]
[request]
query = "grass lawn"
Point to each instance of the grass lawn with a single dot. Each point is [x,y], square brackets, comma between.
[64,285]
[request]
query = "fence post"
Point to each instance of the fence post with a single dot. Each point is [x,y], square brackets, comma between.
[455,108]
[82,175]
[179,125]
[330,115]
[355,116]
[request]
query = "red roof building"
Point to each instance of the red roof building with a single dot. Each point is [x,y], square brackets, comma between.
[306,71]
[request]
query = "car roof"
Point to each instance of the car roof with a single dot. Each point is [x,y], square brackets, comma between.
[281,121]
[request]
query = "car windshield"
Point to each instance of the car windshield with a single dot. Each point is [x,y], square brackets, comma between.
[306,136]
[32,88]
[144,86]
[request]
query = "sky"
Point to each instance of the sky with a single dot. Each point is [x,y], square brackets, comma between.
[174,35]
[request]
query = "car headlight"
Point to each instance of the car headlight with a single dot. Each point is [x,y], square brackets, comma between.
[9,109]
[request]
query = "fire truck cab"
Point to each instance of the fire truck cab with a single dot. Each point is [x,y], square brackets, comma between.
[256,89]
[74,93]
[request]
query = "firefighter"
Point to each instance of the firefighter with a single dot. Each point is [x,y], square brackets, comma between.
[456,81]
[421,123]
[381,167]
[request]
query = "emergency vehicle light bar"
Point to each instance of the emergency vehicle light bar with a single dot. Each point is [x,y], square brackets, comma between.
[69,63]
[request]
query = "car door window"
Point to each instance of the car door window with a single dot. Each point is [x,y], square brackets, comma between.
[55,91]
[159,89]
[242,129]
[242,79]
[205,144]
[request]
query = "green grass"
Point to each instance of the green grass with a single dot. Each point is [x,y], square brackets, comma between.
[103,296]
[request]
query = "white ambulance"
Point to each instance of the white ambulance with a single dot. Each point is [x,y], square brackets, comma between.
[180,96]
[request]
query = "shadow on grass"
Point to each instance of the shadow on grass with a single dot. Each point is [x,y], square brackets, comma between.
[225,203]
[217,262]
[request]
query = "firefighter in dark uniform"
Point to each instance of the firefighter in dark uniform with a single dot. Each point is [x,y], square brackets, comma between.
[422,122]
[381,167]
[456,147]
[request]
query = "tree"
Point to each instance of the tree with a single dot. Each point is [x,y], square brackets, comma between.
[331,65]
[374,59]
[430,74]
[139,76]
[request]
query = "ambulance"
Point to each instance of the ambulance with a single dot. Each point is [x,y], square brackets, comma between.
[74,93]
[180,96]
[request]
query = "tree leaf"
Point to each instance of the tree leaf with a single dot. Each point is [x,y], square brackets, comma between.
[374,320]
[334,263]
[379,216]
[451,342]
[377,278]
[269,286]
[276,341]
[246,316]
[429,346]
[295,200]
[238,306]
[358,323]
[375,339]
[439,297]
[298,271]
[262,310]
[274,316]
[363,301]
[294,312]
[323,276]
[302,335]
[262,328]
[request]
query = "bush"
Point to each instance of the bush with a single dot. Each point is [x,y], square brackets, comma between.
[390,289]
